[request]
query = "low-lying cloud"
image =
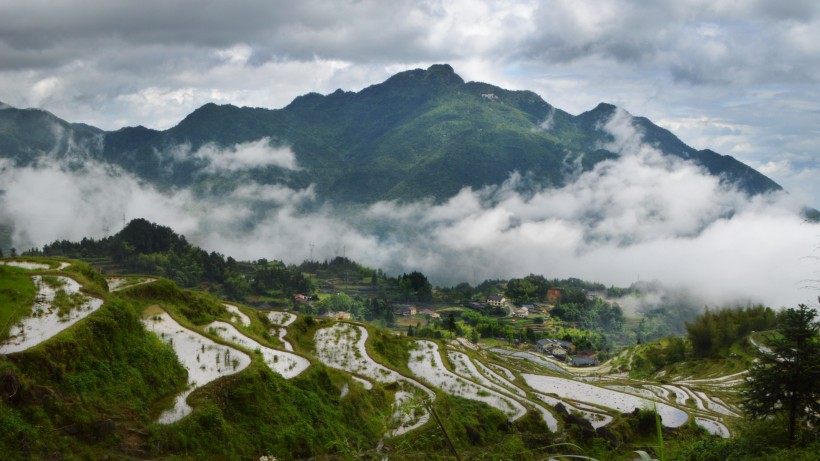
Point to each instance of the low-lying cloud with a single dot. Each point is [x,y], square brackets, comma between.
[643,216]
[240,157]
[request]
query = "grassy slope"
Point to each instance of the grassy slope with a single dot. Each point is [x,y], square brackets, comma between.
[16,296]
[96,389]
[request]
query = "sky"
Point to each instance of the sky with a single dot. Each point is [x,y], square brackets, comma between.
[737,77]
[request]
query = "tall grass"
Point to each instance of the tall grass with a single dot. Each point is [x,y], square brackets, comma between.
[16,297]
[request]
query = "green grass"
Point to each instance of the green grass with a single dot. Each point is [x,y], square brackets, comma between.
[108,367]
[17,292]
[66,302]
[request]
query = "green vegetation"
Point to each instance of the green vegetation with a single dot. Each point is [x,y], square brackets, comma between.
[787,379]
[65,302]
[84,389]
[197,307]
[716,343]
[257,412]
[16,296]
[421,133]
[145,247]
[95,390]
[755,440]
[714,331]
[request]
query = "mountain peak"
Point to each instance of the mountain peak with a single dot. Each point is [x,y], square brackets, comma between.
[591,119]
[604,107]
[444,73]
[437,73]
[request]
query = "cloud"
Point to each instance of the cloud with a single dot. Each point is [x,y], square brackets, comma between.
[642,216]
[753,64]
[241,157]
[739,78]
[55,200]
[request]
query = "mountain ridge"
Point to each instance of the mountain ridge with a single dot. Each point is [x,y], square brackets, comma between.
[419,134]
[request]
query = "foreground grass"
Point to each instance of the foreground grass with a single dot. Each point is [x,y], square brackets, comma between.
[17,292]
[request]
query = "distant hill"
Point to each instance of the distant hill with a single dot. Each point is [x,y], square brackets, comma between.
[421,133]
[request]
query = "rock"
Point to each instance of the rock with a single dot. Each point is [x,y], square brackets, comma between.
[580,422]
[473,435]
[607,434]
[103,428]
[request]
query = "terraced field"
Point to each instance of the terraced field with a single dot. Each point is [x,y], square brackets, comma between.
[512,381]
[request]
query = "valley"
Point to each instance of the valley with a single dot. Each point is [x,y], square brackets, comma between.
[221,348]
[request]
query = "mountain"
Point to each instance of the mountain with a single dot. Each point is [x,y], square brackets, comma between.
[421,133]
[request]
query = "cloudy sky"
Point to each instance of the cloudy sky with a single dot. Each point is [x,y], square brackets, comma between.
[739,77]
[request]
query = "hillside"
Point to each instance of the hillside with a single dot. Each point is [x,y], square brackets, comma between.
[421,133]
[112,383]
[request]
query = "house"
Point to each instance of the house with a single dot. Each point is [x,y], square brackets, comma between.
[558,353]
[548,346]
[522,312]
[496,300]
[433,314]
[302,299]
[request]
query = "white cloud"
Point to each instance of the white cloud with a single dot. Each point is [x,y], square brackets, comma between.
[240,157]
[753,65]
[642,216]
[739,78]
[50,202]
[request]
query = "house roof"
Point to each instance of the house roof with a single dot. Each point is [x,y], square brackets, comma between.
[564,344]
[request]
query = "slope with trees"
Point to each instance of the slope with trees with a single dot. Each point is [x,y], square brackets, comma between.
[786,377]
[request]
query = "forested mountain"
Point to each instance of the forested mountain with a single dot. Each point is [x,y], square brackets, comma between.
[421,133]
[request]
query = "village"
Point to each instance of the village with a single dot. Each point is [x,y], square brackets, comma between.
[408,317]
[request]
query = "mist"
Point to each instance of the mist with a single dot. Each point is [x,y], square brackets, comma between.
[642,216]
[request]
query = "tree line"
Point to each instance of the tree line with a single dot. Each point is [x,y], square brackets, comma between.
[149,248]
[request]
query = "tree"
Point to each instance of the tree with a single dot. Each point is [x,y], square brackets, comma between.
[521,291]
[451,322]
[786,378]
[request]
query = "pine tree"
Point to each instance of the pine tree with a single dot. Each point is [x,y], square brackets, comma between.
[786,379]
[451,322]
